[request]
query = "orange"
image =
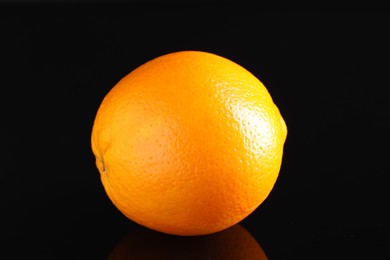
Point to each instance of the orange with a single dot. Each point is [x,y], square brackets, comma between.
[189,143]
[233,243]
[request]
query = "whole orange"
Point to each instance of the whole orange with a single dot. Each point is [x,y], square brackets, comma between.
[189,143]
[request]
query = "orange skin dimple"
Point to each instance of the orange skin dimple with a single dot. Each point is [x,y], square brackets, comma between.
[189,143]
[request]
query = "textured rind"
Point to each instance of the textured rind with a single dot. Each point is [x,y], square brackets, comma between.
[189,143]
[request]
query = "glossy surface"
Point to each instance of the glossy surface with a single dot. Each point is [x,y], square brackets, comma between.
[233,243]
[189,143]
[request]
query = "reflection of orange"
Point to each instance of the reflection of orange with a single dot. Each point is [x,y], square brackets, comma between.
[189,143]
[233,243]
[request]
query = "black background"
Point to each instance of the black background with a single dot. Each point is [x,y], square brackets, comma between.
[327,73]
